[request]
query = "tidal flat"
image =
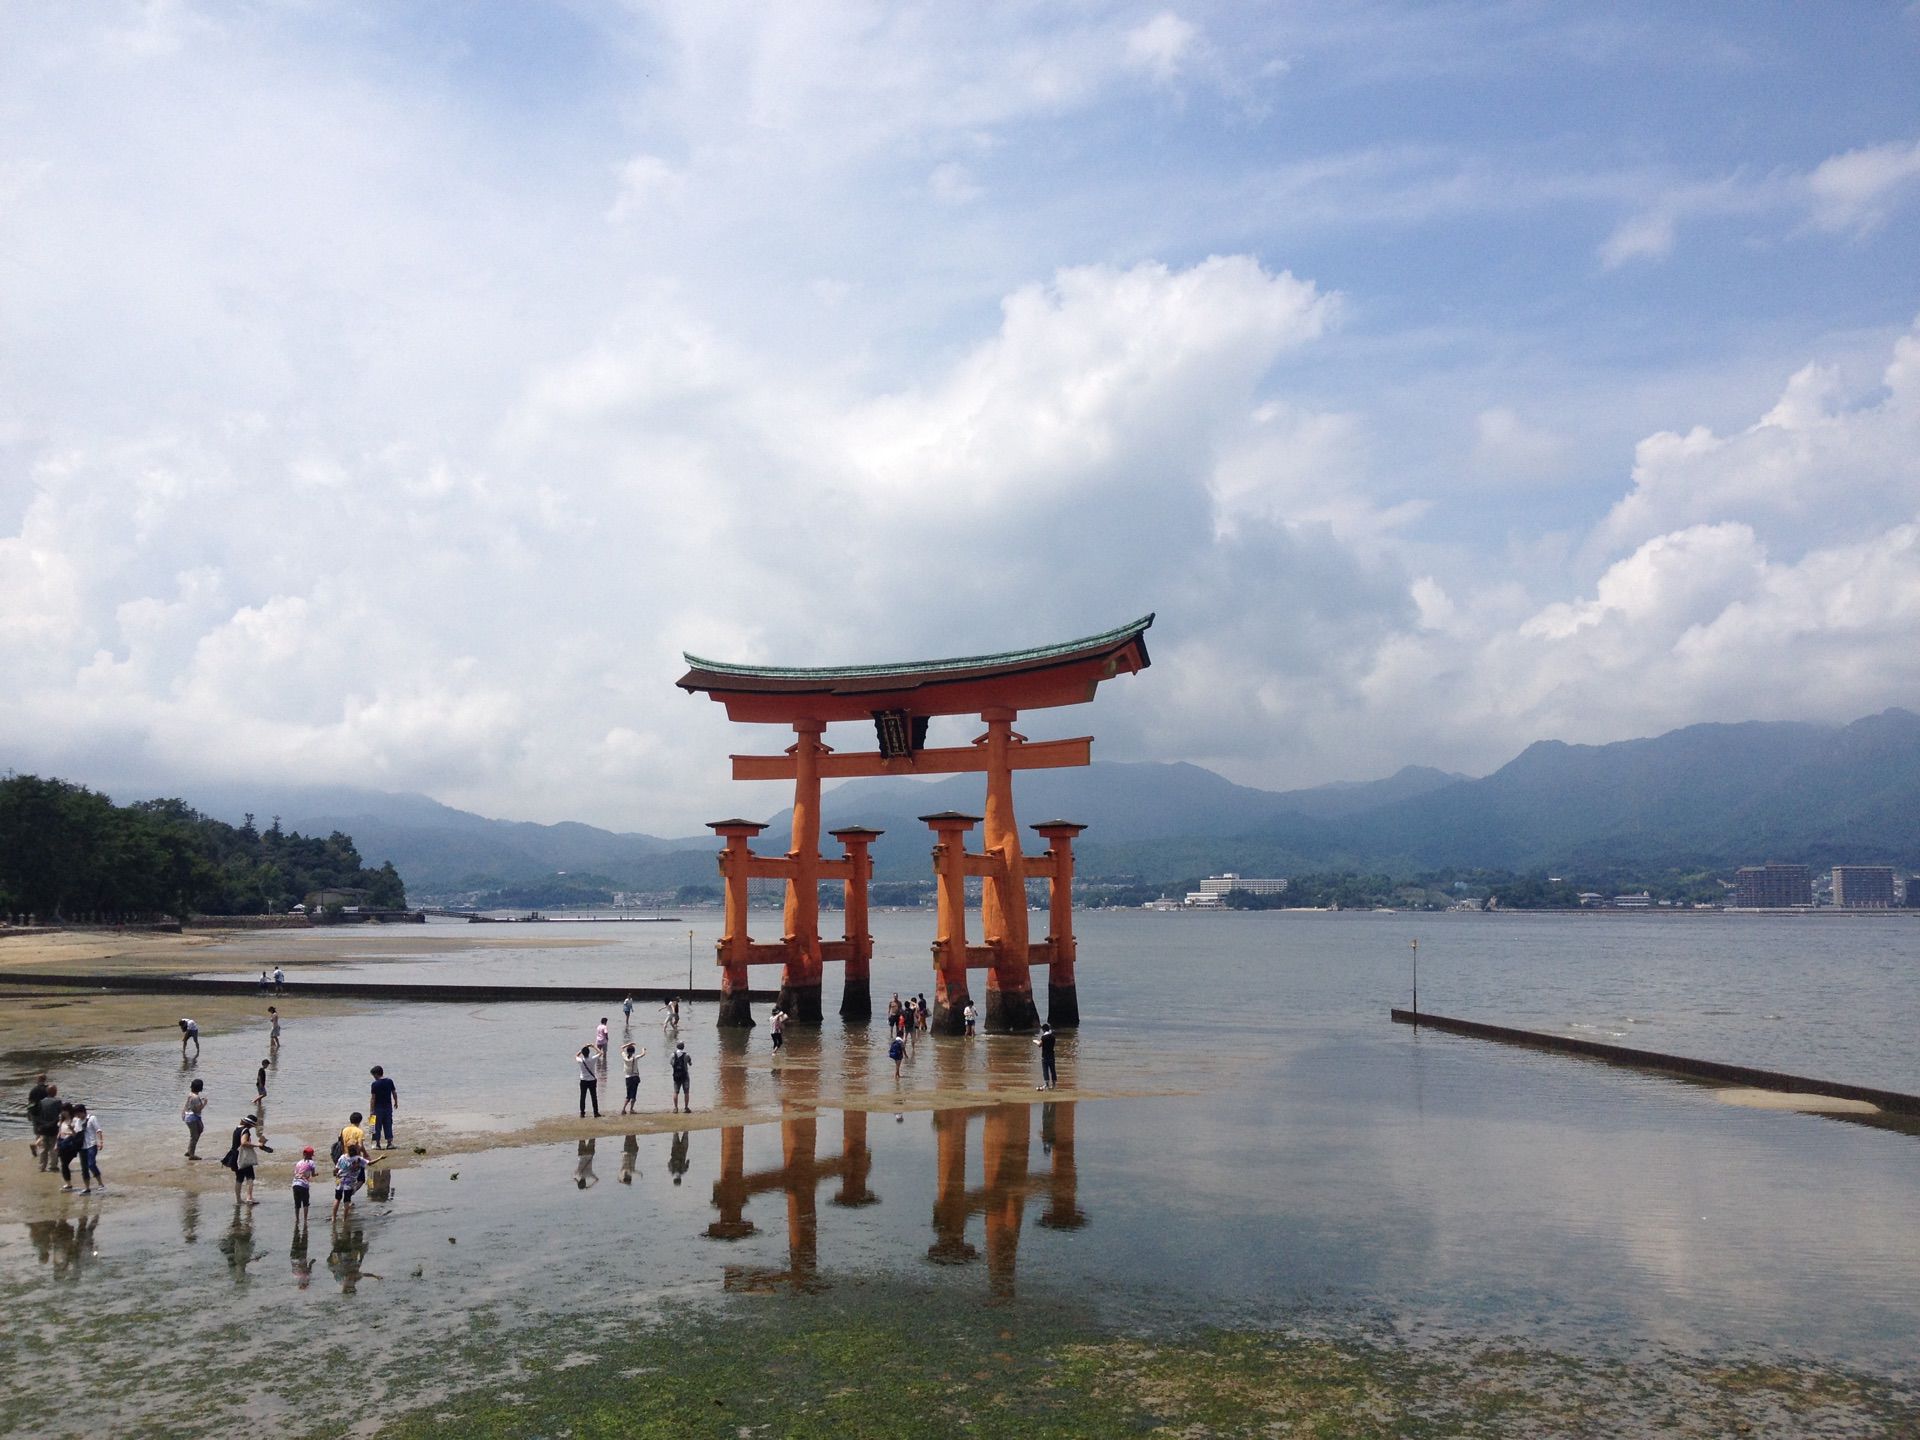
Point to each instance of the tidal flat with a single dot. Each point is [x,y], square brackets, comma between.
[1253,1208]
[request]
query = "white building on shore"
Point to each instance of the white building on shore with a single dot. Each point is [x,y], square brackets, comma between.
[1214,889]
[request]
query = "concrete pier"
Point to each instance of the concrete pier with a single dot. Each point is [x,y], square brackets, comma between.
[1891,1101]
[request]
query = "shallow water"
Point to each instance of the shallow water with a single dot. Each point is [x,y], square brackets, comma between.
[1837,997]
[1317,1160]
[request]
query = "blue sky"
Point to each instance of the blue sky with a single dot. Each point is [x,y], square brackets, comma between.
[388,392]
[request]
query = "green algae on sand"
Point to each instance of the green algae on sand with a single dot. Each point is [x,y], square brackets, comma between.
[887,1362]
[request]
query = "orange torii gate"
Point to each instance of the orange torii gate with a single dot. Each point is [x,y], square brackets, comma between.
[899,699]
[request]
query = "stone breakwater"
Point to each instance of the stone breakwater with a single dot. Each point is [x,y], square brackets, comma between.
[360,990]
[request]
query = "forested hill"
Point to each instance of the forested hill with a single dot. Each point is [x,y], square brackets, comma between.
[68,852]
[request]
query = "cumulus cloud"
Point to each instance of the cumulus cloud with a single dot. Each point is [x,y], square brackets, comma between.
[1819,464]
[366,424]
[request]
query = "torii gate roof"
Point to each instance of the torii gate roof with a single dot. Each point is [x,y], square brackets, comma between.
[1066,673]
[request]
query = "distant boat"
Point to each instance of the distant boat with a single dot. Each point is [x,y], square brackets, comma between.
[532,918]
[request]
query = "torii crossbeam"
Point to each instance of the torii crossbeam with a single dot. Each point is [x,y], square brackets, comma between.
[898,699]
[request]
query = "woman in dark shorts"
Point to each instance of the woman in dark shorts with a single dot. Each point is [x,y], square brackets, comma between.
[245,1152]
[631,1053]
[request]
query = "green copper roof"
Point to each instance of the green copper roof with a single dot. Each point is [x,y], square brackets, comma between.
[1106,639]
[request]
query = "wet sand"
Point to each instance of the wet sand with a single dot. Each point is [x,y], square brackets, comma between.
[135,952]
[146,1165]
[1795,1102]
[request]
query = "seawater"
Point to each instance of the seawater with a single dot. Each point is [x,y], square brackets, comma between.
[1300,1158]
[1829,996]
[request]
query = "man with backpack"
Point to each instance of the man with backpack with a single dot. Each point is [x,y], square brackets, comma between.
[682,1077]
[46,1125]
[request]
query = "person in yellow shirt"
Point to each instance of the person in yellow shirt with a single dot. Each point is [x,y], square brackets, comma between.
[351,1134]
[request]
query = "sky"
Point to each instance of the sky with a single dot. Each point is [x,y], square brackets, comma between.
[391,392]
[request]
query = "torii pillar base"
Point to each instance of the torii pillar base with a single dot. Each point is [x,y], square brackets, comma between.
[949,1015]
[1011,1012]
[801,1001]
[856,999]
[736,1011]
[1063,1006]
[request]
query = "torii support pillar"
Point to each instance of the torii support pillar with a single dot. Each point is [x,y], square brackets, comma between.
[1063,995]
[1003,897]
[856,997]
[736,1009]
[950,997]
[800,979]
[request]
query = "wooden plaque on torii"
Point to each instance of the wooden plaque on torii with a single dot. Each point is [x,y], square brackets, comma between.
[898,700]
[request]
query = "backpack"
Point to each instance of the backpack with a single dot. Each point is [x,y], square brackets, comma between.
[339,1149]
[682,1066]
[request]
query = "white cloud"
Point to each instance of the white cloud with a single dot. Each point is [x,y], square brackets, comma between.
[1639,237]
[1850,192]
[1509,448]
[952,183]
[646,181]
[1161,45]
[1854,191]
[1818,464]
[388,423]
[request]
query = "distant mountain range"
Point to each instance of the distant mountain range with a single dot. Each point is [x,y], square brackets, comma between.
[1706,796]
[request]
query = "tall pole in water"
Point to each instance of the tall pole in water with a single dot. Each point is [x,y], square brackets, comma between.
[690,966]
[1416,981]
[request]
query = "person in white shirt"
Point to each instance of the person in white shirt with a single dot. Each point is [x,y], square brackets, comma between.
[631,1054]
[91,1141]
[189,1030]
[589,1081]
[193,1114]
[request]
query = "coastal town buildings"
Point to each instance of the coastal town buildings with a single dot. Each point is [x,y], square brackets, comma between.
[1863,887]
[1214,889]
[1772,887]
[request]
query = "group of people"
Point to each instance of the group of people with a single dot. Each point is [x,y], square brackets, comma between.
[353,1151]
[64,1132]
[591,1062]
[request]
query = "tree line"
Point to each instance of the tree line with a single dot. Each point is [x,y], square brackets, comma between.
[70,853]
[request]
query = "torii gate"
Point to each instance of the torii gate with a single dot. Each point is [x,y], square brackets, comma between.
[899,699]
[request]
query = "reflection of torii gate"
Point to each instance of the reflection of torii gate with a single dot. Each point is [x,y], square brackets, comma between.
[1006,1183]
[1001,1198]
[802,1170]
[899,699]
[800,1174]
